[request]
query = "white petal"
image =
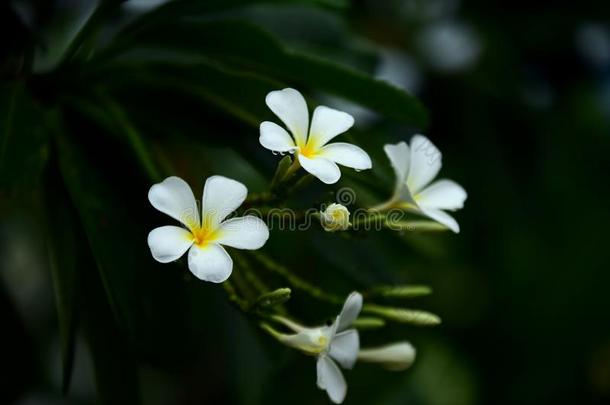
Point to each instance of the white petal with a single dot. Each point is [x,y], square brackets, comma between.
[351,310]
[344,348]
[400,156]
[331,379]
[328,123]
[210,263]
[323,169]
[443,194]
[396,356]
[221,196]
[247,232]
[169,243]
[442,217]
[290,106]
[347,154]
[425,163]
[275,138]
[174,197]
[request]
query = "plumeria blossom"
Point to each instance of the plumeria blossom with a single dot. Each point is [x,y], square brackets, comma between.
[203,236]
[416,165]
[310,142]
[331,344]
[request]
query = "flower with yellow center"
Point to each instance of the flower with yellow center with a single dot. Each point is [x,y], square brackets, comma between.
[310,143]
[203,237]
[329,344]
[416,166]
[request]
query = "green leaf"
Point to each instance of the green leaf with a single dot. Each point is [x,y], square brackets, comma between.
[23,141]
[65,246]
[174,10]
[247,47]
[101,216]
[237,93]
[114,363]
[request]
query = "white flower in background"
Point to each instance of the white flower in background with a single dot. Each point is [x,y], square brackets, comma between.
[416,166]
[310,143]
[335,218]
[396,356]
[329,343]
[203,237]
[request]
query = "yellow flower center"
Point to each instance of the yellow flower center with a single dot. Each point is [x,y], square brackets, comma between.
[203,235]
[309,150]
[322,340]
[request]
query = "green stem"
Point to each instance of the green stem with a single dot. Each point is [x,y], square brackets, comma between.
[294,280]
[296,165]
[234,296]
[384,206]
[249,273]
[364,222]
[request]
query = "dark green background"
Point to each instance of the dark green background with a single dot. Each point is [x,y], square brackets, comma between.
[525,128]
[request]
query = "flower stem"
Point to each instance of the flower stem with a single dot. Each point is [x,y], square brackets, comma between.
[234,296]
[249,274]
[295,280]
[384,206]
[296,165]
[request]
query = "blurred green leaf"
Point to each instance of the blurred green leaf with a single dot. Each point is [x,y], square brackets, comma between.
[66,249]
[58,37]
[133,138]
[114,364]
[245,46]
[23,141]
[103,218]
[174,10]
[238,93]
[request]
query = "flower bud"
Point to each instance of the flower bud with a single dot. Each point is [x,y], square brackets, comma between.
[335,218]
[396,356]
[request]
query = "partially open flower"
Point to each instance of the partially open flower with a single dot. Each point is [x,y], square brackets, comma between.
[329,343]
[416,165]
[203,238]
[310,142]
[335,218]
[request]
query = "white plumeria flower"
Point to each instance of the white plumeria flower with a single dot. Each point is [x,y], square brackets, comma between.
[203,237]
[310,143]
[330,343]
[416,166]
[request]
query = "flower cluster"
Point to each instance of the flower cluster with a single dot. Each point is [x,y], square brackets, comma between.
[207,229]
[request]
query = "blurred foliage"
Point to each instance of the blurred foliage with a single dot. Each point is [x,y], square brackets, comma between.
[98,100]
